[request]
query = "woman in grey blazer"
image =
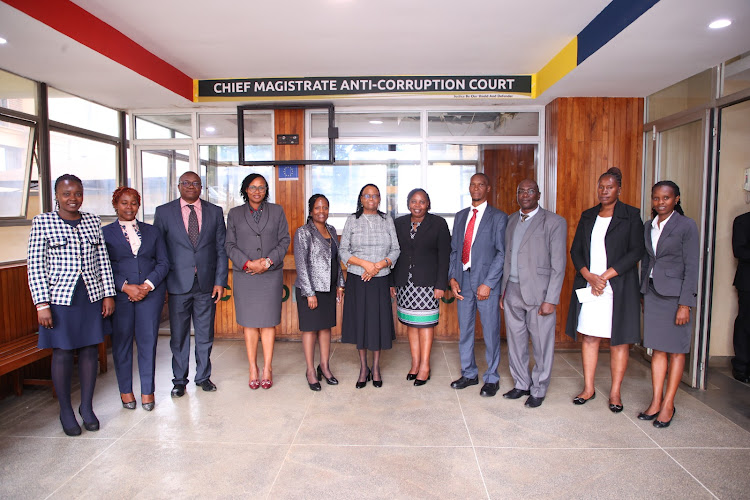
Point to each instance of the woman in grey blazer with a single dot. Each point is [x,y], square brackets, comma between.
[257,240]
[669,283]
[319,286]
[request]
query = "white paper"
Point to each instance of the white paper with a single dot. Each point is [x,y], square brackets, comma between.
[585,295]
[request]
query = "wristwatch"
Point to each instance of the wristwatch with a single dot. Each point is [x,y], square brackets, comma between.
[267,263]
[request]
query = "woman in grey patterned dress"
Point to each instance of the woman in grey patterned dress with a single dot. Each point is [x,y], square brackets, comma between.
[420,278]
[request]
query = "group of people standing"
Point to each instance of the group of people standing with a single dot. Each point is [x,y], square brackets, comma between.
[87,281]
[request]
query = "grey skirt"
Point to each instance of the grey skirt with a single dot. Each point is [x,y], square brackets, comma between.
[257,298]
[659,331]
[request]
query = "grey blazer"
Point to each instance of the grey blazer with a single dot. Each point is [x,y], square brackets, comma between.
[676,262]
[247,240]
[208,258]
[541,257]
[487,251]
[312,255]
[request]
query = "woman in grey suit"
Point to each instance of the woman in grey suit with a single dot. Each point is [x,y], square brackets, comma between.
[669,283]
[319,285]
[257,240]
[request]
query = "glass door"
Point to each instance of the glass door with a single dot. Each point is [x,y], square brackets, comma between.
[680,152]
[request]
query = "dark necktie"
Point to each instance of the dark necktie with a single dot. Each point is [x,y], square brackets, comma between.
[193,226]
[524,217]
[466,250]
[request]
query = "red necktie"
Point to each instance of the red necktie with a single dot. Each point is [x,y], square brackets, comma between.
[466,251]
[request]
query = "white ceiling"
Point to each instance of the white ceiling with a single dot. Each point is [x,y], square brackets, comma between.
[250,39]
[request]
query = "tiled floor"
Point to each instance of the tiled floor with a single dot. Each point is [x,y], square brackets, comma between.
[399,441]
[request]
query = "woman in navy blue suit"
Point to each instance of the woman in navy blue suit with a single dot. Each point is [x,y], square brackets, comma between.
[139,265]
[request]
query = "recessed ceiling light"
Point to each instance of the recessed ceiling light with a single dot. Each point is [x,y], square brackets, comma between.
[3,41]
[210,129]
[376,122]
[720,23]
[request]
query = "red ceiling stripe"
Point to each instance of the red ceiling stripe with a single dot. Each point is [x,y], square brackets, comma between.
[80,25]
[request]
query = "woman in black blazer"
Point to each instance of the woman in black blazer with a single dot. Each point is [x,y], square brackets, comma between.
[669,283]
[606,249]
[139,265]
[420,278]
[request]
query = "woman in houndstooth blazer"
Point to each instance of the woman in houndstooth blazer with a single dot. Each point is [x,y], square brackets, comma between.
[71,283]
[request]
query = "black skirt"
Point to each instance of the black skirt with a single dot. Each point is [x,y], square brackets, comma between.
[368,314]
[322,317]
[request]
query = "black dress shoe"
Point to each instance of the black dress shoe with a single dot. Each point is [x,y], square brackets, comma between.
[89,426]
[516,393]
[578,400]
[313,387]
[178,390]
[72,431]
[615,408]
[489,389]
[419,382]
[464,382]
[411,376]
[207,385]
[329,381]
[662,425]
[645,416]
[533,402]
[360,385]
[742,377]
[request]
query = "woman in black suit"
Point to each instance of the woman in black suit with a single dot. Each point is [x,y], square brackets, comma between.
[420,278]
[669,283]
[139,266]
[606,249]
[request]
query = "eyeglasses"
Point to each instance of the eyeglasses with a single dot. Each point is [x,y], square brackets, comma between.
[195,184]
[370,196]
[530,192]
[260,189]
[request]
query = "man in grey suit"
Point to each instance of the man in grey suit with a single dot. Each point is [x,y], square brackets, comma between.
[194,232]
[476,270]
[535,258]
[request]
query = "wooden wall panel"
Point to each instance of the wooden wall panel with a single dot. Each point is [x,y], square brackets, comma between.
[17,319]
[585,137]
[507,165]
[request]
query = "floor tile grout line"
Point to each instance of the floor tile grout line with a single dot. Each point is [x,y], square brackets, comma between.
[670,456]
[468,432]
[96,457]
[289,449]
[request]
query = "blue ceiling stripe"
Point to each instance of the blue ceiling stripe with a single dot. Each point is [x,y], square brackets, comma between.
[612,20]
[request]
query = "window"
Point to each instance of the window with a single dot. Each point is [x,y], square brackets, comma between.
[161,169]
[222,176]
[72,110]
[482,124]
[17,93]
[15,158]
[167,126]
[94,162]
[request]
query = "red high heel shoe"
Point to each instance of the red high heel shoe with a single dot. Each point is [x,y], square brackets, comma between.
[254,384]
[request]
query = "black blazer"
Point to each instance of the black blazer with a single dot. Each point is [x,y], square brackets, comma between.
[741,247]
[427,255]
[625,247]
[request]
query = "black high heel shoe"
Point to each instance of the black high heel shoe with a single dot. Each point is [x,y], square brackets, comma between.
[329,381]
[313,387]
[130,405]
[645,416]
[360,385]
[89,426]
[418,382]
[663,425]
[377,383]
[411,376]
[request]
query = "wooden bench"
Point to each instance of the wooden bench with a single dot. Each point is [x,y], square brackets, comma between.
[18,353]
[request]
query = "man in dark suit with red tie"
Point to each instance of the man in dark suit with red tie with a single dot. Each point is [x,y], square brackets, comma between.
[475,273]
[741,248]
[195,234]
